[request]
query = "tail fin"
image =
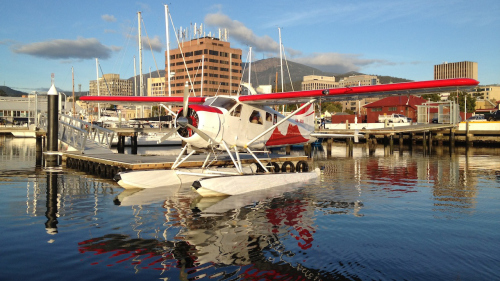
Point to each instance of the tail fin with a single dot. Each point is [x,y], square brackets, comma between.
[306,116]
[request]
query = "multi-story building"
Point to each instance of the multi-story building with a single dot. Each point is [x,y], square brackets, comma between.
[111,85]
[156,87]
[359,80]
[221,72]
[463,69]
[315,82]
[490,92]
[357,106]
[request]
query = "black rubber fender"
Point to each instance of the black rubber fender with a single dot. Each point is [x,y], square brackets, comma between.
[286,165]
[302,166]
[273,167]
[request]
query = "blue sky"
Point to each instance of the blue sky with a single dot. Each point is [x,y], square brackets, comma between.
[383,37]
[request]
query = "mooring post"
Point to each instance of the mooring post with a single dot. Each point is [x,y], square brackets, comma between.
[121,144]
[288,148]
[430,142]
[329,142]
[424,142]
[39,150]
[391,143]
[468,141]
[133,143]
[52,128]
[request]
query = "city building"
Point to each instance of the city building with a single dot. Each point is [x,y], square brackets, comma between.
[357,106]
[316,82]
[394,105]
[207,57]
[464,69]
[491,92]
[112,85]
[156,87]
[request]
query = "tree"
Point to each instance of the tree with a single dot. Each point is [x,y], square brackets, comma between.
[2,93]
[471,101]
[331,107]
[432,97]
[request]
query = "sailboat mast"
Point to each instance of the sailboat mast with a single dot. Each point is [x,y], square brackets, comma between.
[73,79]
[250,68]
[168,49]
[281,62]
[141,82]
[98,90]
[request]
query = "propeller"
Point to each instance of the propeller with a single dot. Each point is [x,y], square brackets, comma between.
[183,121]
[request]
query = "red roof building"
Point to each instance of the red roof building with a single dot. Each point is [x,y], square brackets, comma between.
[396,105]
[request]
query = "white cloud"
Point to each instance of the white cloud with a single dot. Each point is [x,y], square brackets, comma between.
[155,42]
[81,48]
[339,63]
[241,33]
[108,18]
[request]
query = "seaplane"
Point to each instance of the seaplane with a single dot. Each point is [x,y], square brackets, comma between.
[248,124]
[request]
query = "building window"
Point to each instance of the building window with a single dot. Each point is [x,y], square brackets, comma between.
[392,108]
[376,109]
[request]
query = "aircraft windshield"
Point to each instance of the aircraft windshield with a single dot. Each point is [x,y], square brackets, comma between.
[222,102]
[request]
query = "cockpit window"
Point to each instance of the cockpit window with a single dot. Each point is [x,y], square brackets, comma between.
[255,117]
[223,102]
[237,111]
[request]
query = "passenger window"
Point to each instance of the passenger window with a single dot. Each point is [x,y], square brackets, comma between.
[275,120]
[255,117]
[237,111]
[269,117]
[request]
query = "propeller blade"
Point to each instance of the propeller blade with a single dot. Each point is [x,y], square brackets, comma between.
[202,134]
[167,135]
[185,100]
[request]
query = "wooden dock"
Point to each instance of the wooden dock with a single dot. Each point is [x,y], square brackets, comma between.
[107,165]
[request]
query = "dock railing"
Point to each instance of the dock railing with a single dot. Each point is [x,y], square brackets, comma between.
[76,132]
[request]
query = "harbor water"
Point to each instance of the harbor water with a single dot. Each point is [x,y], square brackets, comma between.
[402,216]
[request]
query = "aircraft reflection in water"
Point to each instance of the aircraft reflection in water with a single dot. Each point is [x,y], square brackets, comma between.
[257,232]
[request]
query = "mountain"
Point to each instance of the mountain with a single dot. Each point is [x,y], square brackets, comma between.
[264,73]
[6,91]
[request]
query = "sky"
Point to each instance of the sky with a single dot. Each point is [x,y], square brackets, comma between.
[399,38]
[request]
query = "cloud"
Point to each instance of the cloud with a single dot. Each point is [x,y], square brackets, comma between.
[331,62]
[241,33]
[81,48]
[156,43]
[108,18]
[339,63]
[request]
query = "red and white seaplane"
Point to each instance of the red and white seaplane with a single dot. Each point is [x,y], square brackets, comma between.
[247,124]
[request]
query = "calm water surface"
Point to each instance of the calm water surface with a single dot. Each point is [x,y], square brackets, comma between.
[404,216]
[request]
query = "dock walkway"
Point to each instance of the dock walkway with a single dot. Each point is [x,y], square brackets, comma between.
[108,164]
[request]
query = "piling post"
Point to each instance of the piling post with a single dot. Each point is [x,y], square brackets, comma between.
[52,128]
[121,144]
[39,150]
[133,143]
[468,141]
[391,143]
[288,149]
[424,142]
[430,142]
[329,143]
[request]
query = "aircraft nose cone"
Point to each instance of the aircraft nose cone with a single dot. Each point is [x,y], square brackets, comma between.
[182,121]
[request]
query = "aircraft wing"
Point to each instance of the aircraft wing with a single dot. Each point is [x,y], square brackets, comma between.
[354,93]
[144,100]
